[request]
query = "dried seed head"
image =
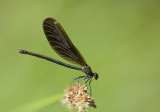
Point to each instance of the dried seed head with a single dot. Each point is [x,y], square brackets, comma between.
[78,98]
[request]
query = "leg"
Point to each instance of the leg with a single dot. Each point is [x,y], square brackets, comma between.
[84,80]
[73,79]
[90,86]
[87,80]
[78,83]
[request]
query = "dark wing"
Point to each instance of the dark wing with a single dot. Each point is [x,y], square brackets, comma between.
[61,43]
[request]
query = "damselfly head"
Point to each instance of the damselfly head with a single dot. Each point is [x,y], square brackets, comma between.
[96,76]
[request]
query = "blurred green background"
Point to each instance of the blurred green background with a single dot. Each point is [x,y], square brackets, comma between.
[119,39]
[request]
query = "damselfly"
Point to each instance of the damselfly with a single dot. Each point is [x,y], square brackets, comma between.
[63,46]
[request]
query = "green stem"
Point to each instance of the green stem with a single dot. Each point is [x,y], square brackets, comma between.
[39,104]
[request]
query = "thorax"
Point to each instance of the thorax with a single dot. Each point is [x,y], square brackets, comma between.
[87,70]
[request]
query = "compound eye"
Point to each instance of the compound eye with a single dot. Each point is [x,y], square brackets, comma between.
[96,76]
